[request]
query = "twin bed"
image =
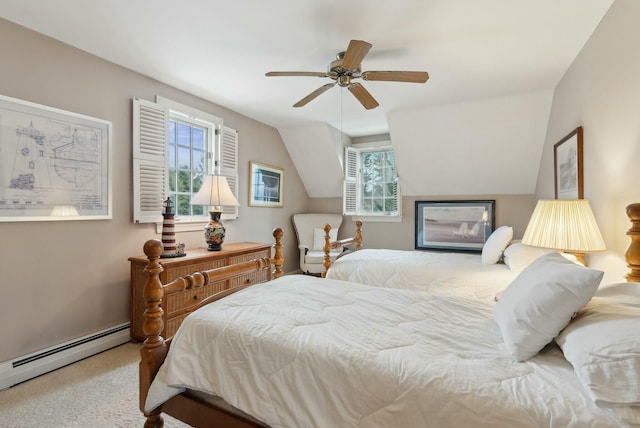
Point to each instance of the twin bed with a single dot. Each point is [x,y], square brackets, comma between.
[396,350]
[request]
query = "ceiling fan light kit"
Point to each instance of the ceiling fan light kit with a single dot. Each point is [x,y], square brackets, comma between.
[347,67]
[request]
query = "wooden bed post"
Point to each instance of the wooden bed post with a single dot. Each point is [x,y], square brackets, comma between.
[278,258]
[326,260]
[153,352]
[328,245]
[153,349]
[632,254]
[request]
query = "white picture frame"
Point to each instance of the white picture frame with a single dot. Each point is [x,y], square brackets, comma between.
[54,164]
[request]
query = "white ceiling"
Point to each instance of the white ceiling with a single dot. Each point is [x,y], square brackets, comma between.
[220,50]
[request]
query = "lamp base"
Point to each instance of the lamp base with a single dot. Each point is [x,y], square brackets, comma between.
[214,232]
[579,257]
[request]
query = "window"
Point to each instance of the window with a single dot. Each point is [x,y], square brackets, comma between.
[174,147]
[188,150]
[371,183]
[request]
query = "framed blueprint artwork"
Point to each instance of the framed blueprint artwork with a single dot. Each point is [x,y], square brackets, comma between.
[54,164]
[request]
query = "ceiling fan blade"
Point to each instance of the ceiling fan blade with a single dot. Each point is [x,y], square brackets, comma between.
[355,53]
[296,73]
[363,96]
[397,76]
[314,94]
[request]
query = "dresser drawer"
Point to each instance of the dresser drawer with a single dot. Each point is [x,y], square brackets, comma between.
[178,305]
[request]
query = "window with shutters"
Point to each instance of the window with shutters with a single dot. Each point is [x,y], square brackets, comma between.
[371,183]
[174,147]
[188,161]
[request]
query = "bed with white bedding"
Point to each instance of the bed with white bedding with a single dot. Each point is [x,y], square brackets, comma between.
[472,274]
[436,272]
[302,351]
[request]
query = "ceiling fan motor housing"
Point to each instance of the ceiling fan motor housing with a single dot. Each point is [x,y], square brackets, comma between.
[342,75]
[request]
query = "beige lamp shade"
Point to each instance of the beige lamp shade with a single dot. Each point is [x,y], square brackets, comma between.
[64,211]
[215,191]
[566,225]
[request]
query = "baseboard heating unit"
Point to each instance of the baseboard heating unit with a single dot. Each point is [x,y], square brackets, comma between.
[41,362]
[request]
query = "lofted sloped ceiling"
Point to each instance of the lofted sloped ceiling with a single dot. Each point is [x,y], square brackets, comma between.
[492,65]
[317,150]
[489,146]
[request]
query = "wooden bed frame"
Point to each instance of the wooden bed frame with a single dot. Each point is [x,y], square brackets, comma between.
[328,245]
[191,407]
[632,255]
[199,410]
[194,408]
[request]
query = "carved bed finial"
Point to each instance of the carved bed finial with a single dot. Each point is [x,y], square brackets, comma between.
[358,235]
[632,254]
[278,258]
[326,260]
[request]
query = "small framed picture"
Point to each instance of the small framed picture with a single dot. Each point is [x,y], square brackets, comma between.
[266,185]
[567,163]
[454,225]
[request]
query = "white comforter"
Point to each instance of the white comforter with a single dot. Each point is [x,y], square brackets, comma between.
[306,352]
[441,273]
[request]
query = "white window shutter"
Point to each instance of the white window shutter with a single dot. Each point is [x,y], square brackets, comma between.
[350,195]
[350,198]
[397,208]
[396,200]
[352,163]
[228,166]
[150,130]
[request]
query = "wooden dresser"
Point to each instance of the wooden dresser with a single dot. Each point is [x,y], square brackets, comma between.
[197,259]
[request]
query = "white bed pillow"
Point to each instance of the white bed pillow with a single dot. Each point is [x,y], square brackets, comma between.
[518,256]
[318,238]
[540,302]
[495,245]
[602,343]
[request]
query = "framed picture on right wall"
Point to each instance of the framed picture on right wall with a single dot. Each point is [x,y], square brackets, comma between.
[568,170]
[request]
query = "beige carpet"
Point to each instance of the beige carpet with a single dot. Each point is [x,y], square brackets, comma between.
[100,391]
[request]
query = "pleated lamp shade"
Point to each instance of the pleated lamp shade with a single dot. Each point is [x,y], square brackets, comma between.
[566,225]
[64,211]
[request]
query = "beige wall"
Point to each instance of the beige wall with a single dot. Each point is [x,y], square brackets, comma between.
[601,93]
[511,210]
[62,280]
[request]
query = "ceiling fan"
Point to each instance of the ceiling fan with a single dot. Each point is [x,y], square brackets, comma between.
[346,68]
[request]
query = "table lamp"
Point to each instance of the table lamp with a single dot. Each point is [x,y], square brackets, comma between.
[215,192]
[565,225]
[64,211]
